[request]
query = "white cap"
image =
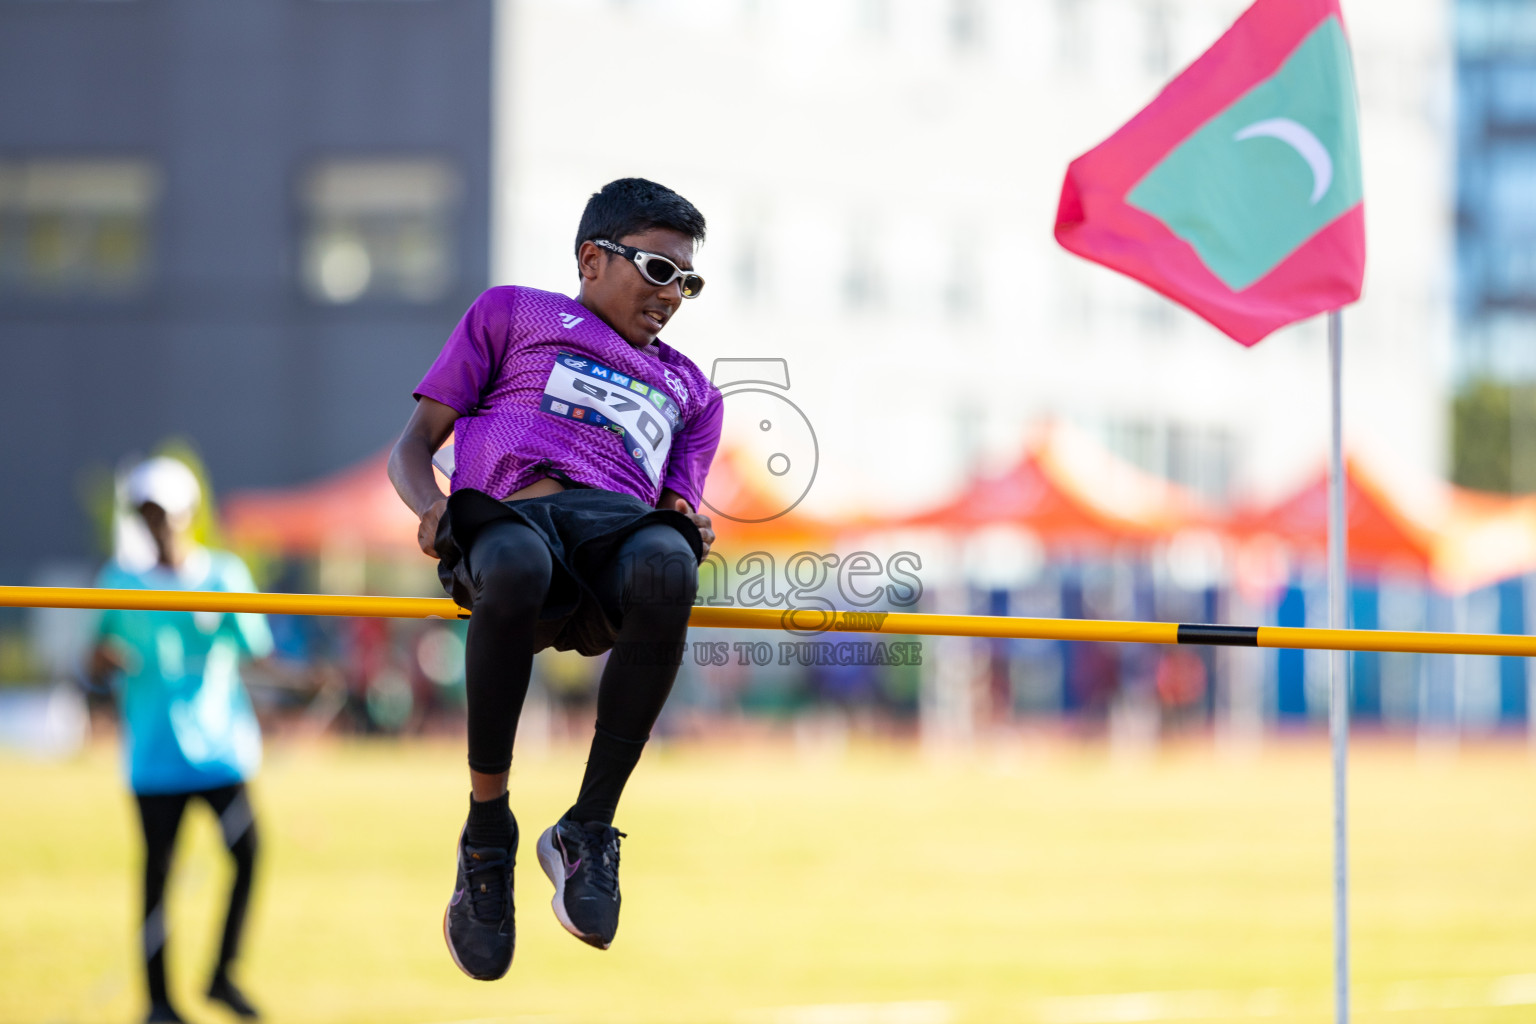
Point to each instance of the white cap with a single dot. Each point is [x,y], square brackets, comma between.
[167,482]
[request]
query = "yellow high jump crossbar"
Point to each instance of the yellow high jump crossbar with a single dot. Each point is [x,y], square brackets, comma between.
[807,622]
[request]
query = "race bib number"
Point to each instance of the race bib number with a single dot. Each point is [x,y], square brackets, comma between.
[642,416]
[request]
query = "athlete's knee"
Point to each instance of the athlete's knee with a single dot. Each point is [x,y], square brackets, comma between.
[511,569]
[663,570]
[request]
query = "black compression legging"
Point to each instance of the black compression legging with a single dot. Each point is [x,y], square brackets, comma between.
[160,814]
[655,574]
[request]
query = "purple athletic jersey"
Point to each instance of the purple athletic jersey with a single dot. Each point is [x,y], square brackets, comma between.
[541,383]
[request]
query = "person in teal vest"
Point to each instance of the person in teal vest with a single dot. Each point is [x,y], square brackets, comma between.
[189,731]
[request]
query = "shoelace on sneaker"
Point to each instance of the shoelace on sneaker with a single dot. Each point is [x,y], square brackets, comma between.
[486,877]
[600,853]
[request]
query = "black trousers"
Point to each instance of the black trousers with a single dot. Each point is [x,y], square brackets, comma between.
[583,569]
[650,581]
[160,814]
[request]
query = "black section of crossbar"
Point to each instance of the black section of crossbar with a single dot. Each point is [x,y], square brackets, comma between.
[1220,636]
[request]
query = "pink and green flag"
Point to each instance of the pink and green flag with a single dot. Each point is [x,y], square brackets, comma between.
[1237,192]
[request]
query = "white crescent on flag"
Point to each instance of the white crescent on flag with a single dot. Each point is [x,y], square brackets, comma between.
[1300,138]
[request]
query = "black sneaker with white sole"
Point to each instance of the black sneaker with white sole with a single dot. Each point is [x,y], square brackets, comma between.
[582,860]
[478,924]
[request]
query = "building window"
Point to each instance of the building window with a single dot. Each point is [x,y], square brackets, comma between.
[1511,96]
[1071,35]
[863,284]
[1485,27]
[1201,459]
[962,287]
[1155,315]
[379,229]
[749,268]
[1509,222]
[875,18]
[1157,52]
[75,228]
[965,24]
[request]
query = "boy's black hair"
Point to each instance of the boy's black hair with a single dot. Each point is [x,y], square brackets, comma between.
[629,206]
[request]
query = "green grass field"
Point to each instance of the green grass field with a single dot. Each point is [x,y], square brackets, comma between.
[770,883]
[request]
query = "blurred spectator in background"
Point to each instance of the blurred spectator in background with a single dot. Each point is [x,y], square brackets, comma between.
[1093,678]
[188,726]
[571,683]
[1181,687]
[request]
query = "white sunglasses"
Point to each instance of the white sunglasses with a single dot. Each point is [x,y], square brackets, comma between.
[656,269]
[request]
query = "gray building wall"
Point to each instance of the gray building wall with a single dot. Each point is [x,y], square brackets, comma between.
[231,101]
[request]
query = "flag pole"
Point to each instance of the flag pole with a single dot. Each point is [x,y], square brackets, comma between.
[1338,668]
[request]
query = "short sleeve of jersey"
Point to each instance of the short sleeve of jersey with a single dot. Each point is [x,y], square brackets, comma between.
[693,450]
[471,356]
[250,628]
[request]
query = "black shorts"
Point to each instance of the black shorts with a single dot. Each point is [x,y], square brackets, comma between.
[583,529]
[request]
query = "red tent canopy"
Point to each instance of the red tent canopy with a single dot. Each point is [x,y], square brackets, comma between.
[737,489]
[1457,538]
[356,507]
[1071,492]
[1383,534]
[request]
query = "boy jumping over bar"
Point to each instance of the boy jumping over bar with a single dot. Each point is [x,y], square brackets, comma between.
[581,443]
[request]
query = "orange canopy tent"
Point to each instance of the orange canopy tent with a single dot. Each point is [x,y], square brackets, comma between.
[748,515]
[1491,538]
[1458,539]
[1071,493]
[358,507]
[355,507]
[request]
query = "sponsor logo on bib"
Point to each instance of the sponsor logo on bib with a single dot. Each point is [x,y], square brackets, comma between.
[588,392]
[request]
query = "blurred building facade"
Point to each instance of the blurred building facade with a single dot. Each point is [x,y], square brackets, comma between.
[881,178]
[246,225]
[1496,203]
